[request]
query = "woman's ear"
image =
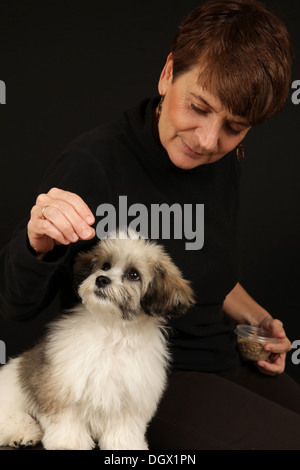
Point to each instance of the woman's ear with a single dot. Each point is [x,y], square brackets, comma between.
[166,76]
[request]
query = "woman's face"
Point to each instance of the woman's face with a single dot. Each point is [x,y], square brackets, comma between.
[194,127]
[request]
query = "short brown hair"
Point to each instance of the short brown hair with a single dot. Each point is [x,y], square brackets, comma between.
[244,54]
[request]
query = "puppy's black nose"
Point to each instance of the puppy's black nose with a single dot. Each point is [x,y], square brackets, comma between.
[102,281]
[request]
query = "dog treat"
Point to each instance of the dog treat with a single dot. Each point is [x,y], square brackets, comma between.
[252,351]
[251,342]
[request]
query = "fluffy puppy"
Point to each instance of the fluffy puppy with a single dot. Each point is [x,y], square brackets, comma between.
[100,371]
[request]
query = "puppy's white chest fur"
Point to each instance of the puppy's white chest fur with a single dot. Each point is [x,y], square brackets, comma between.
[116,364]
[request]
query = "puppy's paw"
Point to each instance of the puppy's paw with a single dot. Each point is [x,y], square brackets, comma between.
[20,431]
[62,442]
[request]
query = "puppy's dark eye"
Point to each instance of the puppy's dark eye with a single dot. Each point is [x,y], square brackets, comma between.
[106,267]
[132,275]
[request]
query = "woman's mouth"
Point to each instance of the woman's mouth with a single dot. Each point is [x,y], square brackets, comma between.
[190,151]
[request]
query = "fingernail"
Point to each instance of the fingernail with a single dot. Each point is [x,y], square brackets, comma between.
[93,233]
[90,219]
[88,233]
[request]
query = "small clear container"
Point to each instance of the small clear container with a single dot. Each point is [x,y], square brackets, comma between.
[251,341]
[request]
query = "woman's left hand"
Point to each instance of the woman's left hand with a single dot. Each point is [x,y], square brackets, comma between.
[275,364]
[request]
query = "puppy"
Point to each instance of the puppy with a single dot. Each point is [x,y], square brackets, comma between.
[99,373]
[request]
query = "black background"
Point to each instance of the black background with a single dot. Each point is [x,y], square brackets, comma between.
[71,65]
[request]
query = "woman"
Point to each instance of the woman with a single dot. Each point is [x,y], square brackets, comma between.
[229,70]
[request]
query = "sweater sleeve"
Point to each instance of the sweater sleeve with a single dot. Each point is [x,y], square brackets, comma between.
[27,283]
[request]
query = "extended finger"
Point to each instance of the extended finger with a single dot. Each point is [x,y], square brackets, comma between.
[272,368]
[67,221]
[48,221]
[283,346]
[63,214]
[277,329]
[74,200]
[45,227]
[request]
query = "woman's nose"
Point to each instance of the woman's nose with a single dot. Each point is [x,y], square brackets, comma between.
[208,138]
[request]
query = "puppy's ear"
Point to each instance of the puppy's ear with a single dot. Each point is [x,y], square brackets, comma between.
[83,267]
[168,294]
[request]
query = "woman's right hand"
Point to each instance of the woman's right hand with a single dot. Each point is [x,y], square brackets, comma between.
[59,217]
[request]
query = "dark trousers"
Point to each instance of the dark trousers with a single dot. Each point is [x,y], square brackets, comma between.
[242,410]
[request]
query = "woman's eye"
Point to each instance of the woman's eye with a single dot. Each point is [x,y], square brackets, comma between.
[229,129]
[197,110]
[106,267]
[233,131]
[133,275]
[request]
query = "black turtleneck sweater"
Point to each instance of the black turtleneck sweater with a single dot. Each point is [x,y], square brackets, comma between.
[124,159]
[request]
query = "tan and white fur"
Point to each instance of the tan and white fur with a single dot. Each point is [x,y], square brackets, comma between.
[100,371]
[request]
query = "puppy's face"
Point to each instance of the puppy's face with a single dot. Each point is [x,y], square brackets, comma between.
[131,276]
